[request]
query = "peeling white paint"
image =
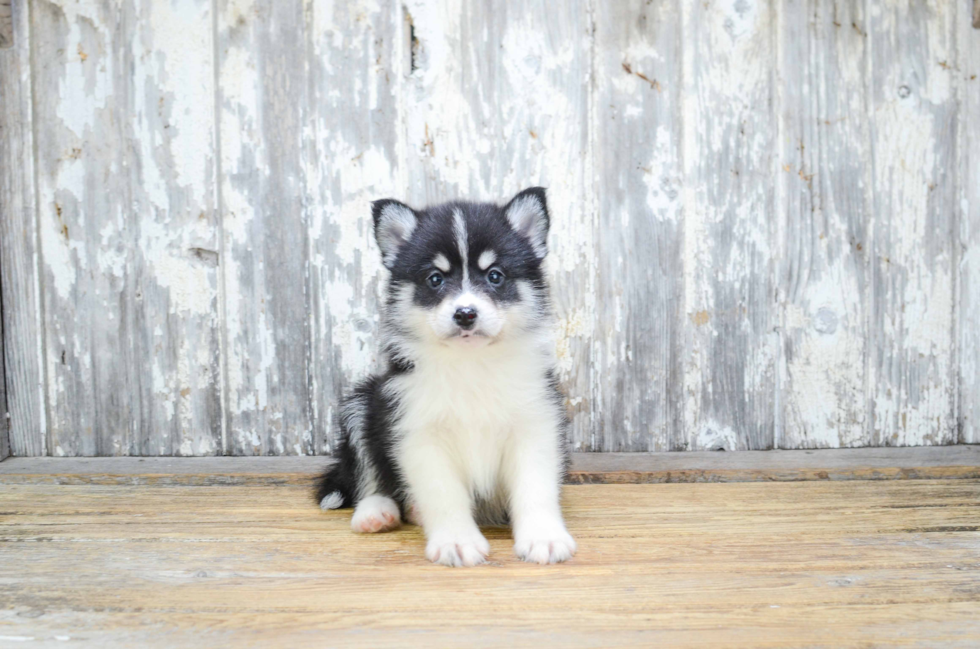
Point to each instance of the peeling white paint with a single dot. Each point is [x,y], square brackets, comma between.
[763,322]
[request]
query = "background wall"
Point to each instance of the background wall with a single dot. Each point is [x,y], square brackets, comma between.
[766,214]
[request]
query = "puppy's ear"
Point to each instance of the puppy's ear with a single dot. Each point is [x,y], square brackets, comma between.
[527,213]
[394,223]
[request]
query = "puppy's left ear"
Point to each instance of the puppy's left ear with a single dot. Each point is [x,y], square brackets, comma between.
[527,213]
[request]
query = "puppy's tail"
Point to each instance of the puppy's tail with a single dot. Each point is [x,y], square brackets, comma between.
[333,489]
[337,487]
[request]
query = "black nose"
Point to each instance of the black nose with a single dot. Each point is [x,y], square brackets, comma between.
[465,317]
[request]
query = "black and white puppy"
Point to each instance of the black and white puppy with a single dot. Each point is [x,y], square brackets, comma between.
[467,426]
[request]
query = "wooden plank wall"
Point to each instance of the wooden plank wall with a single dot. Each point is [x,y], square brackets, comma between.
[968,206]
[766,213]
[19,260]
[4,419]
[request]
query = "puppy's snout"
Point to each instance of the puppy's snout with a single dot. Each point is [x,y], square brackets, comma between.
[465,317]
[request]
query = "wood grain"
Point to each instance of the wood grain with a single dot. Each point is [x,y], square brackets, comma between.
[739,565]
[923,463]
[729,285]
[824,190]
[765,224]
[6,24]
[23,369]
[968,242]
[266,122]
[128,234]
[358,62]
[639,340]
[498,101]
[4,417]
[912,370]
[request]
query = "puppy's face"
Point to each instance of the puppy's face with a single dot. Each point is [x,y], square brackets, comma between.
[463,273]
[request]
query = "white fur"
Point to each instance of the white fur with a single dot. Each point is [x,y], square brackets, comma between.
[482,422]
[332,501]
[459,229]
[489,321]
[442,263]
[487,257]
[528,217]
[375,514]
[395,227]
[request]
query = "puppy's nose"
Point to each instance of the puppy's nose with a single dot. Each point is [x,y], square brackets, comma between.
[465,317]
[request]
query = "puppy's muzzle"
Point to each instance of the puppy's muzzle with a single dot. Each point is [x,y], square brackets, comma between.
[465,317]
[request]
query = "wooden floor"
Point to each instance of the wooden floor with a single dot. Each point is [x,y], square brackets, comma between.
[804,564]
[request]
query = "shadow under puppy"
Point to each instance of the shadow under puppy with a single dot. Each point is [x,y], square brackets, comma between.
[467,426]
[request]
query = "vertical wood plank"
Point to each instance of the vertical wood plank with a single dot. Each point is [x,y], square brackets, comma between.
[824,184]
[731,344]
[360,55]
[968,82]
[124,136]
[6,24]
[913,114]
[639,340]
[266,137]
[499,100]
[23,371]
[4,415]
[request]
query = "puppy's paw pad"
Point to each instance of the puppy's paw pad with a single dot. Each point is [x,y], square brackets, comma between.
[555,547]
[375,514]
[466,549]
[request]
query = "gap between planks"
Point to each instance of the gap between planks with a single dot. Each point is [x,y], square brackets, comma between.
[929,463]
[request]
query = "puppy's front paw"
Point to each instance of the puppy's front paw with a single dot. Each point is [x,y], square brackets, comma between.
[545,544]
[375,514]
[450,548]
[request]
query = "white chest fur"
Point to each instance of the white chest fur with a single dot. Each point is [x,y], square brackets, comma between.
[471,402]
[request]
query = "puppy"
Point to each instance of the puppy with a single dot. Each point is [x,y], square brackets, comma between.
[467,426]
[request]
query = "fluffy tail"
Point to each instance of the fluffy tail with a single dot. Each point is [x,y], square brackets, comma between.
[335,488]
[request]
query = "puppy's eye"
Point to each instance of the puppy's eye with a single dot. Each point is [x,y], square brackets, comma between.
[435,280]
[495,276]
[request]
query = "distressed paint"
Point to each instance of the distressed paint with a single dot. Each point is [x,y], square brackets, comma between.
[6,24]
[967,80]
[727,107]
[765,212]
[21,315]
[499,101]
[127,226]
[4,419]
[358,62]
[266,140]
[824,189]
[639,330]
[913,130]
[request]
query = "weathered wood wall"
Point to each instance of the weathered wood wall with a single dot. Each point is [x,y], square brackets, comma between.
[766,214]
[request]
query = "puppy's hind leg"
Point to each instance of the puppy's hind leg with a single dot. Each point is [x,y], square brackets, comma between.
[375,513]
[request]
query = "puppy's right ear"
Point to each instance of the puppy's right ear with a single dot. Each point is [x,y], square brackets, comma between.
[394,223]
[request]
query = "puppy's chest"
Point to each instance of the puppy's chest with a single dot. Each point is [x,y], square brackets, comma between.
[470,399]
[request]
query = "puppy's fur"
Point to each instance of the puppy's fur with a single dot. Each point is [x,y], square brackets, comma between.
[467,426]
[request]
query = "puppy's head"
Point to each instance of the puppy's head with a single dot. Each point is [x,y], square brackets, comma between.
[466,274]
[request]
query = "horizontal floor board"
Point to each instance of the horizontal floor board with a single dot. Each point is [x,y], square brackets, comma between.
[804,564]
[931,462]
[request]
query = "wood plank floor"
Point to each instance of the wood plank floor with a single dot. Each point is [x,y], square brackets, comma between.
[805,564]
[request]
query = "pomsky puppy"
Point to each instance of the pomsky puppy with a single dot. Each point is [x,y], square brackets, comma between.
[467,426]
